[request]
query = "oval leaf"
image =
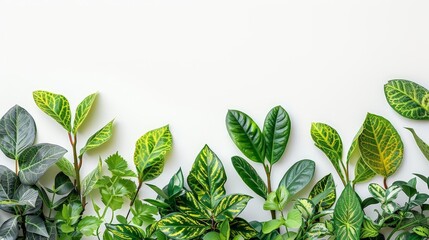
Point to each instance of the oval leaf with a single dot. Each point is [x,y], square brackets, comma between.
[408,98]
[82,111]
[56,106]
[35,224]
[100,137]
[91,179]
[125,231]
[180,226]
[348,215]
[66,167]
[230,207]
[249,176]
[276,131]
[246,135]
[327,182]
[298,176]
[380,145]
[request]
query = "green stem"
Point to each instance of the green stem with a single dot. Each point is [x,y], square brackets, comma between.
[134,198]
[345,172]
[50,208]
[268,173]
[76,164]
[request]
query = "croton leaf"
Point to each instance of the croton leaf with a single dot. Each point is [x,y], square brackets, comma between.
[276,131]
[362,172]
[369,228]
[230,206]
[380,145]
[240,227]
[34,161]
[125,231]
[97,139]
[207,178]
[420,143]
[35,224]
[327,182]
[180,226]
[17,132]
[82,111]
[246,134]
[190,205]
[9,229]
[408,98]
[249,176]
[56,106]
[91,179]
[348,215]
[150,152]
[298,176]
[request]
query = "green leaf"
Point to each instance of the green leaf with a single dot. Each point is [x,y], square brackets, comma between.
[362,172]
[151,150]
[348,215]
[318,231]
[276,131]
[125,232]
[28,198]
[175,186]
[369,229]
[240,227]
[212,236]
[34,161]
[377,191]
[327,182]
[422,231]
[246,134]
[118,166]
[143,213]
[408,98]
[328,140]
[230,207]
[17,132]
[277,200]
[249,176]
[224,230]
[82,111]
[56,106]
[63,185]
[305,207]
[189,205]
[158,190]
[91,179]
[113,195]
[293,219]
[89,225]
[354,147]
[420,143]
[180,226]
[298,176]
[100,137]
[35,224]
[8,183]
[380,145]
[207,178]
[66,167]
[271,225]
[9,229]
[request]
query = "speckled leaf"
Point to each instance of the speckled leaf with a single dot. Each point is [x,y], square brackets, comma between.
[369,229]
[82,111]
[240,227]
[298,176]
[249,176]
[276,132]
[408,98]
[125,231]
[180,226]
[420,143]
[97,139]
[348,215]
[230,207]
[190,205]
[9,229]
[327,182]
[56,106]
[380,145]
[362,172]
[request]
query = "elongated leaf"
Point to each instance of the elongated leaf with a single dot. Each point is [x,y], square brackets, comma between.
[91,179]
[408,98]
[420,143]
[348,215]
[190,205]
[180,226]
[298,176]
[35,224]
[240,227]
[327,139]
[362,172]
[249,176]
[82,111]
[125,231]
[327,182]
[9,229]
[380,145]
[207,178]
[276,131]
[175,186]
[377,191]
[354,147]
[35,161]
[225,230]
[369,229]
[56,106]
[230,207]
[66,167]
[101,136]
[8,183]
[151,150]
[17,132]
[246,134]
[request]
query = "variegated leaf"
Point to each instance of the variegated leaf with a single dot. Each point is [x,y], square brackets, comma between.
[97,139]
[362,172]
[56,106]
[82,111]
[207,178]
[348,215]
[230,207]
[125,231]
[305,207]
[318,231]
[354,147]
[180,226]
[66,167]
[369,228]
[91,179]
[420,143]
[240,227]
[150,152]
[276,132]
[189,205]
[422,231]
[327,182]
[9,229]
[377,192]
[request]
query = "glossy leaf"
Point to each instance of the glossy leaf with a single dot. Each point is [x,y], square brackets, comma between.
[369,229]
[246,134]
[230,207]
[305,206]
[362,172]
[276,132]
[180,226]
[63,185]
[56,106]
[8,183]
[175,186]
[101,136]
[9,229]
[348,215]
[125,232]
[421,231]
[420,143]
[35,224]
[82,111]
[408,98]
[225,230]
[17,132]
[207,178]
[240,227]
[118,166]
[150,152]
[36,160]
[298,176]
[272,225]
[190,205]
[91,179]
[377,191]
[327,182]
[66,167]
[249,176]
[380,145]
[354,147]
[89,225]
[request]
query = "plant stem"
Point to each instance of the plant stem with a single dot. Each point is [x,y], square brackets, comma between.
[52,200]
[73,142]
[385,182]
[24,230]
[268,173]
[16,167]
[134,198]
[345,173]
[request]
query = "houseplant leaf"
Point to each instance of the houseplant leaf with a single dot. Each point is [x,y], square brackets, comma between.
[189,205]
[327,182]
[9,229]
[420,143]
[100,137]
[35,224]
[362,172]
[89,225]
[240,227]
[8,183]
[348,215]
[118,166]
[298,176]
[82,111]
[230,206]
[66,167]
[125,231]
[276,132]
[180,226]
[91,179]
[56,106]
[249,176]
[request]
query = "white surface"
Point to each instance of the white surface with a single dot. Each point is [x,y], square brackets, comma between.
[185,63]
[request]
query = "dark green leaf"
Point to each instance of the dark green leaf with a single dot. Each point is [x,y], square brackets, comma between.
[240,227]
[56,106]
[189,205]
[63,185]
[158,190]
[8,183]
[230,207]
[35,224]
[180,226]
[348,215]
[249,176]
[420,143]
[82,111]
[9,229]
[298,176]
[327,182]
[175,186]
[125,232]
[276,131]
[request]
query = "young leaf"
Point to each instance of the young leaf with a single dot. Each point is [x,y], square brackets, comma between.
[113,195]
[380,145]
[298,176]
[125,232]
[276,131]
[207,178]
[91,179]
[89,225]
[230,207]
[293,219]
[35,224]
[408,98]
[246,134]
[348,215]
[9,229]
[249,176]
[82,111]
[35,161]
[56,106]
[17,132]
[118,166]
[100,137]
[180,226]
[327,182]
[66,167]
[362,172]
[272,225]
[150,152]
[420,143]
[143,213]
[212,236]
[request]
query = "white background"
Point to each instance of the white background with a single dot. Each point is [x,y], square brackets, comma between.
[185,63]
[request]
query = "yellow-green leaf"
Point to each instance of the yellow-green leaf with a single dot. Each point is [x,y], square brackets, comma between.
[190,205]
[56,106]
[82,111]
[327,182]
[380,145]
[230,206]
[180,226]
[348,215]
[424,148]
[100,137]
[369,228]
[362,172]
[125,231]
[66,167]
